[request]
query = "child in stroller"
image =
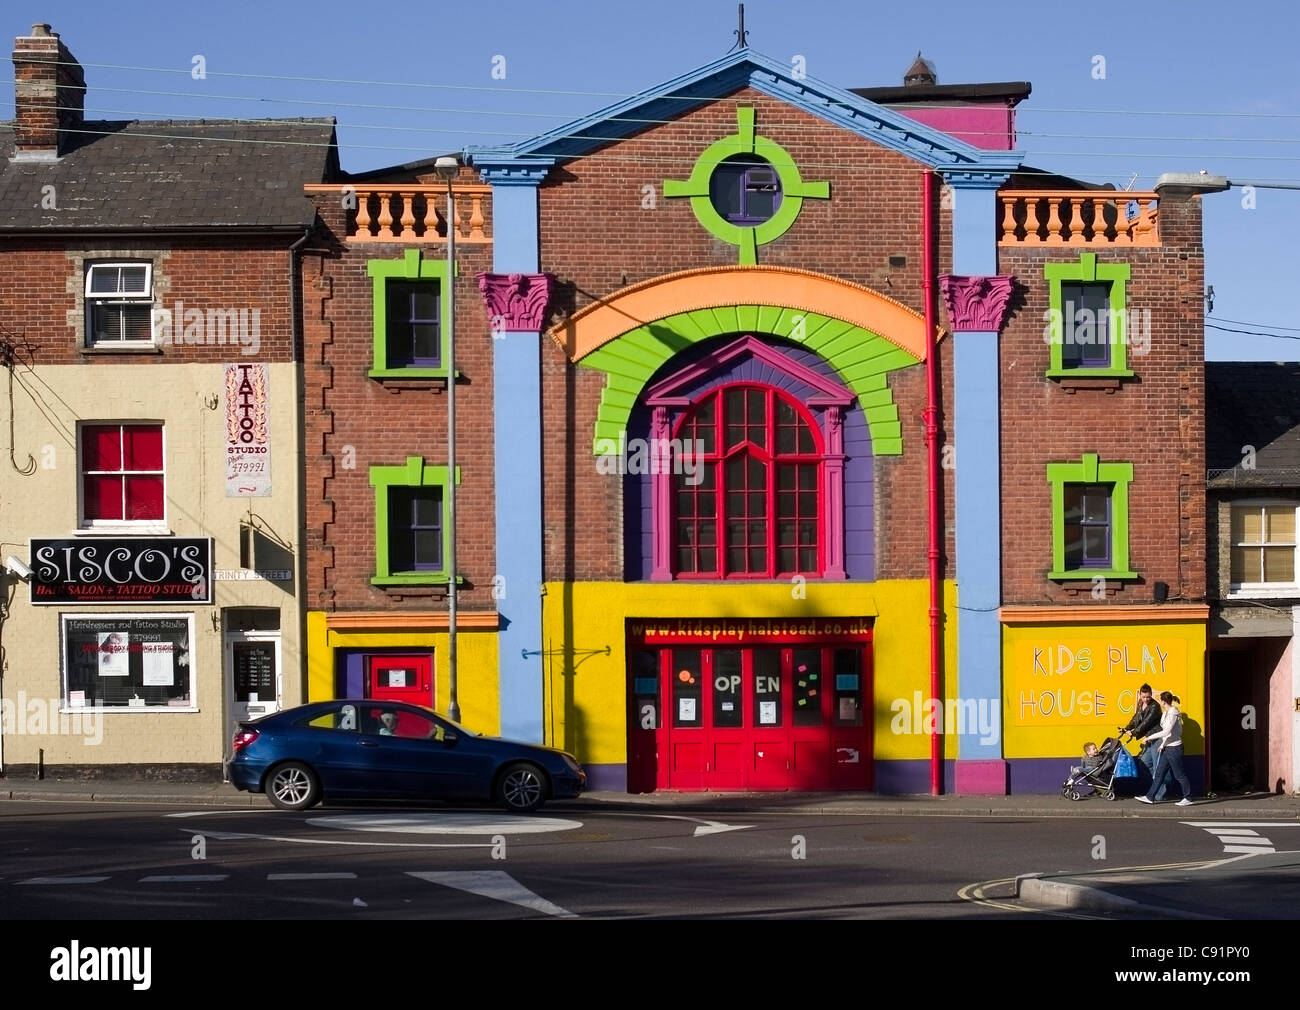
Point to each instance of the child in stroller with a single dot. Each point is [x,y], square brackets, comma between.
[1099,770]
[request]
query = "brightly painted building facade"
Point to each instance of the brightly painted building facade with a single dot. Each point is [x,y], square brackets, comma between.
[152,499]
[692,351]
[734,503]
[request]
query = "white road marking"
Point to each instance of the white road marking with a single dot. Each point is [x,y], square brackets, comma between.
[311,876]
[218,813]
[1241,836]
[61,880]
[183,878]
[705,827]
[331,841]
[446,824]
[495,884]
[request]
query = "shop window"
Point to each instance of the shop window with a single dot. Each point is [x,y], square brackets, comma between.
[728,707]
[1087,320]
[848,687]
[1263,549]
[410,341]
[688,678]
[766,686]
[1090,519]
[752,506]
[745,190]
[411,532]
[139,662]
[807,687]
[119,305]
[122,475]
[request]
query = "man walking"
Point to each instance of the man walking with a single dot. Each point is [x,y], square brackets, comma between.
[1145,721]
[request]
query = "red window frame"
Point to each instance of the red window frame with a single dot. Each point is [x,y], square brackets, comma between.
[752,445]
[122,474]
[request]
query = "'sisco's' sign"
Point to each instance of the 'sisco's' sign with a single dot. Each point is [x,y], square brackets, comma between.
[127,570]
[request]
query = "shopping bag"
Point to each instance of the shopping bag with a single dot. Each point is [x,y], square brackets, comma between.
[1125,766]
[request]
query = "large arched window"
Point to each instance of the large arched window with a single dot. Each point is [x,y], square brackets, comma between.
[750,505]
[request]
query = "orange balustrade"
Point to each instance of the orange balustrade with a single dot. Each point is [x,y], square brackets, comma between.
[1078,218]
[410,213]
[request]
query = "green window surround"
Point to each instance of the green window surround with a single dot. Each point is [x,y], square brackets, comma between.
[1090,471]
[1088,271]
[794,190]
[411,267]
[414,473]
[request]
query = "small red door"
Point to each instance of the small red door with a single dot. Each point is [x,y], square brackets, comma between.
[401,678]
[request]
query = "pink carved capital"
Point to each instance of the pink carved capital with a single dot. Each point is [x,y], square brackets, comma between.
[515,302]
[976,303]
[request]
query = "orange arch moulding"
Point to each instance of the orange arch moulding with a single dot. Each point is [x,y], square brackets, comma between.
[861,333]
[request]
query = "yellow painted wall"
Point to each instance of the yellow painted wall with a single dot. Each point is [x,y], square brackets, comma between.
[1066,684]
[585,689]
[478,677]
[45,505]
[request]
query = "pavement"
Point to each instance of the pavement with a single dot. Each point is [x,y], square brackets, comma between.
[1208,890]
[1228,807]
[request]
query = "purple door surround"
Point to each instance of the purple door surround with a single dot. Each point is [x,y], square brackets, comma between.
[847,477]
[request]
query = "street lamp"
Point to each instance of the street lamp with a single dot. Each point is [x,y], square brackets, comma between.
[447,168]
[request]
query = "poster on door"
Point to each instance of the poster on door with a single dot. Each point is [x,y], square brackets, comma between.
[248,440]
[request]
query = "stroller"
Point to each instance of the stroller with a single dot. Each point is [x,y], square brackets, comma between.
[1115,762]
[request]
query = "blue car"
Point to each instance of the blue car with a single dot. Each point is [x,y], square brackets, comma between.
[369,749]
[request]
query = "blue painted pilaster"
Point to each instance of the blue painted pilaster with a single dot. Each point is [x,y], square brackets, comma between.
[977,490]
[517,445]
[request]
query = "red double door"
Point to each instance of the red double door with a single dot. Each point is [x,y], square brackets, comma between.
[764,717]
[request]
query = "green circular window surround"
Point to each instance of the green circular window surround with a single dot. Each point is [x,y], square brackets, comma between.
[744,142]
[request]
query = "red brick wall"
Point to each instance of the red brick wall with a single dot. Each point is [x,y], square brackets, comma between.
[596,238]
[1156,421]
[41,286]
[351,416]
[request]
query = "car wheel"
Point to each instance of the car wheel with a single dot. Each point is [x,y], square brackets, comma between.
[293,786]
[521,788]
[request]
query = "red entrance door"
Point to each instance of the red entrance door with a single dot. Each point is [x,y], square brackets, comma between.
[401,678]
[764,717]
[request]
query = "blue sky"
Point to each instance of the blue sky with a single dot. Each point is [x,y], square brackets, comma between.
[1187,87]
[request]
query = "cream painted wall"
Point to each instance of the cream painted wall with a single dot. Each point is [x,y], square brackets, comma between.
[45,505]
[1281,715]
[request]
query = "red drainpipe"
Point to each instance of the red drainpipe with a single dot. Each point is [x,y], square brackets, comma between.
[931,417]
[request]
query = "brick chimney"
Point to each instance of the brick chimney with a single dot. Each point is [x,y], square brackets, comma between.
[49,94]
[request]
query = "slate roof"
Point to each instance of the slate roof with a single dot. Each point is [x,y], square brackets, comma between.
[1257,404]
[170,174]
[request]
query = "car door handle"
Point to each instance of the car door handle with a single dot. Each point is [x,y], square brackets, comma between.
[369,743]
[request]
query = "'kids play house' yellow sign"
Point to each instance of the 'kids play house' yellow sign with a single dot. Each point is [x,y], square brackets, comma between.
[1064,682]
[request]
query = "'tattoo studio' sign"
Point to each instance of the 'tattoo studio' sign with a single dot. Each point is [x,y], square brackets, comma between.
[126,570]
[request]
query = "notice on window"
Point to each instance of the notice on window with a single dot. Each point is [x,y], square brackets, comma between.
[114,653]
[767,713]
[76,699]
[159,664]
[685,709]
[848,709]
[397,678]
[248,439]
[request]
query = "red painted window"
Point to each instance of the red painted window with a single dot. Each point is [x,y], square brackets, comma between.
[750,506]
[122,473]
